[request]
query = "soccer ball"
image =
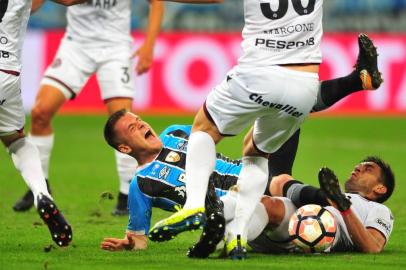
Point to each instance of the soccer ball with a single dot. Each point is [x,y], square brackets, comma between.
[312,228]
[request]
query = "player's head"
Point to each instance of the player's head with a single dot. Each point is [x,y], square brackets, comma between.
[373,178]
[130,135]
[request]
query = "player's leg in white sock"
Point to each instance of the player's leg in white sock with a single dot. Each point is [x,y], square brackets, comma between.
[229,201]
[200,162]
[44,145]
[26,159]
[126,167]
[252,183]
[257,223]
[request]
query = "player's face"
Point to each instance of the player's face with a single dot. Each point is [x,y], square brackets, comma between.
[364,178]
[137,135]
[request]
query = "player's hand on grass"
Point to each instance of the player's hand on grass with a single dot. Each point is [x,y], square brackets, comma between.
[145,55]
[116,244]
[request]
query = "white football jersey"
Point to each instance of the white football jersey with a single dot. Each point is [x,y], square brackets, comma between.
[281,32]
[371,214]
[14,15]
[99,21]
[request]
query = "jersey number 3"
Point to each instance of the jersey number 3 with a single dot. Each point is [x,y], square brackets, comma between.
[3,8]
[283,8]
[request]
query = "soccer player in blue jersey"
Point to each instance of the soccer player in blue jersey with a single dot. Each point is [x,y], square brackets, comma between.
[160,177]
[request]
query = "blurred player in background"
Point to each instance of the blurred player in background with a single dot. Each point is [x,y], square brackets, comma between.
[14,15]
[97,41]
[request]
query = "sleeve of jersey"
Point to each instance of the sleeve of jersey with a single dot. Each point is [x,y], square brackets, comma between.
[381,219]
[185,128]
[140,210]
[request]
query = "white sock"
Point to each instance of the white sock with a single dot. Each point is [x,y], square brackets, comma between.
[44,145]
[229,201]
[258,221]
[26,159]
[200,162]
[126,167]
[251,183]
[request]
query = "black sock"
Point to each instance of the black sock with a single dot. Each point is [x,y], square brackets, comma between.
[301,194]
[122,201]
[281,161]
[332,91]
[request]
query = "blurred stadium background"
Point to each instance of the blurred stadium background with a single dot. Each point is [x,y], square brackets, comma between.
[197,46]
[183,73]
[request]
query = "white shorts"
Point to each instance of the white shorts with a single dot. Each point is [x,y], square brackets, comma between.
[276,240]
[275,99]
[12,116]
[75,63]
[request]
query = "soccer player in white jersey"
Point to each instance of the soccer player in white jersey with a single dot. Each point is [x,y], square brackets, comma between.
[97,40]
[364,223]
[273,87]
[14,17]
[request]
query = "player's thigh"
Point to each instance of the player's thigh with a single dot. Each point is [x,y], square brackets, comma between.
[228,106]
[285,114]
[71,68]
[115,104]
[116,76]
[12,115]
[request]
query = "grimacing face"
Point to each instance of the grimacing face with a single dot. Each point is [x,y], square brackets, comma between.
[364,179]
[136,135]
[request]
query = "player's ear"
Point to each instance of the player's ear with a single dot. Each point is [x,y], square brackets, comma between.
[380,189]
[125,149]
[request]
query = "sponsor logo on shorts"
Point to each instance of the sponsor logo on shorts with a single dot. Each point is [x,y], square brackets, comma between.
[282,107]
[172,157]
[2,101]
[383,223]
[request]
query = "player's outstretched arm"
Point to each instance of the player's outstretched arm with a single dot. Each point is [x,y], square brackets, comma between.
[129,242]
[366,240]
[146,51]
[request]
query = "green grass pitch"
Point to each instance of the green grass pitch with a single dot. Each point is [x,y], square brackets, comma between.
[82,167]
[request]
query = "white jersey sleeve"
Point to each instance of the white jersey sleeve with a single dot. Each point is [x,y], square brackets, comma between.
[281,32]
[371,215]
[381,219]
[14,15]
[99,22]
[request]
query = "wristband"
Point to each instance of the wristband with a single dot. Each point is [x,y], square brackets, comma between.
[346,212]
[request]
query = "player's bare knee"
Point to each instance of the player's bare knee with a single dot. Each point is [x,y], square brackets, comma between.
[274,208]
[277,183]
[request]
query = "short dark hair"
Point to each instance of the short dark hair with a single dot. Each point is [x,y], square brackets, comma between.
[387,177]
[110,134]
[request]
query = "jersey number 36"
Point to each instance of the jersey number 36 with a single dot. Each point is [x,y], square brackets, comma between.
[283,8]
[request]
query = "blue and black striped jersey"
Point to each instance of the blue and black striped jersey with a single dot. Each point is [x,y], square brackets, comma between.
[161,183]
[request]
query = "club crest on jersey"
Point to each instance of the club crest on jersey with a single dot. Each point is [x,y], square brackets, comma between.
[172,157]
